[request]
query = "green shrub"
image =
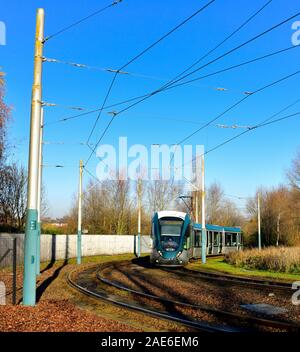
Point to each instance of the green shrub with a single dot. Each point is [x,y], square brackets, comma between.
[278,259]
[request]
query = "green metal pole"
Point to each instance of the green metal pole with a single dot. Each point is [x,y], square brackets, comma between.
[79,227]
[139,191]
[203,232]
[31,229]
[39,199]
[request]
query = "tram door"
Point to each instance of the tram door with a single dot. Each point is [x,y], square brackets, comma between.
[210,242]
[197,244]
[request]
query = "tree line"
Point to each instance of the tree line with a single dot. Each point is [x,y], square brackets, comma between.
[111,206]
[13,178]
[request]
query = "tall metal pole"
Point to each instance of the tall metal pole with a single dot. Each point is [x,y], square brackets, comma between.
[203,256]
[258,221]
[197,208]
[29,284]
[139,191]
[79,229]
[39,198]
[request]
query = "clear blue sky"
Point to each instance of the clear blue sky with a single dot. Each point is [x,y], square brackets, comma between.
[110,40]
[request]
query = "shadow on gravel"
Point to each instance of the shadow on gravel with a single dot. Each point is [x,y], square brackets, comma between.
[143,261]
[46,283]
[53,254]
[156,286]
[221,295]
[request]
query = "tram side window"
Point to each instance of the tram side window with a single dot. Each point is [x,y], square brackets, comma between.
[197,240]
[216,238]
[228,239]
[234,239]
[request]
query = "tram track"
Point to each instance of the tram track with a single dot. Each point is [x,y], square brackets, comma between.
[183,313]
[224,315]
[238,280]
[260,283]
[120,301]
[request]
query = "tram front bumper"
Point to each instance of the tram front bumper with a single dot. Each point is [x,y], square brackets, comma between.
[176,260]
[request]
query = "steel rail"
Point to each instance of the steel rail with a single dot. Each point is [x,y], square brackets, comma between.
[233,316]
[114,299]
[260,283]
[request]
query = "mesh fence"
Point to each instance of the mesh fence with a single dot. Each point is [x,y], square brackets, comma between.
[10,258]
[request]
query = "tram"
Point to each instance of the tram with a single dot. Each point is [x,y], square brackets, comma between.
[177,239]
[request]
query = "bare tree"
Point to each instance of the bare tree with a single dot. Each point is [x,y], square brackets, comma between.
[4,116]
[162,195]
[13,196]
[293,173]
[214,203]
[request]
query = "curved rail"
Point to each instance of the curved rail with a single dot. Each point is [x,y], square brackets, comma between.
[101,294]
[219,276]
[259,283]
[225,314]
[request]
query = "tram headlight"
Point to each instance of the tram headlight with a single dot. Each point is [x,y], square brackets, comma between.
[160,253]
[178,254]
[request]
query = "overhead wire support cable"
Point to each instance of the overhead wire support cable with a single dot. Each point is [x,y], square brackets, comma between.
[253,128]
[79,65]
[177,85]
[141,54]
[203,66]
[81,20]
[238,103]
[220,43]
[236,48]
[233,67]
[165,87]
[259,125]
[209,122]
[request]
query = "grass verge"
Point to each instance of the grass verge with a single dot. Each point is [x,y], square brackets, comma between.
[219,265]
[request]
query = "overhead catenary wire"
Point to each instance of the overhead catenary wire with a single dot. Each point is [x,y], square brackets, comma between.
[174,86]
[199,60]
[163,88]
[263,123]
[212,61]
[237,104]
[140,55]
[234,49]
[212,120]
[248,20]
[48,104]
[76,23]
[96,68]
[177,77]
[216,88]
[253,128]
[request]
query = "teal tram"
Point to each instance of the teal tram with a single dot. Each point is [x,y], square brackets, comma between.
[177,239]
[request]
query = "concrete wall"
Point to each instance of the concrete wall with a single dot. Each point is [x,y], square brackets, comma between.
[55,247]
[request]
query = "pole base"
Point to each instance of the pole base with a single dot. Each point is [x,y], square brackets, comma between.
[30,250]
